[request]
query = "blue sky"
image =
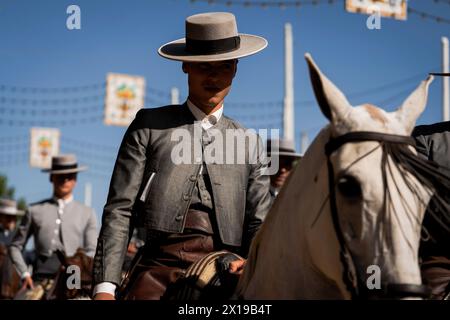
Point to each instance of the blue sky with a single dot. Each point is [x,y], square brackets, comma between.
[37,50]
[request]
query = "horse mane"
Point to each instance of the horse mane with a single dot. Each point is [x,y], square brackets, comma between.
[308,167]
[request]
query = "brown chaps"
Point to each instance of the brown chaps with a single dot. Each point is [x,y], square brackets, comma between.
[162,261]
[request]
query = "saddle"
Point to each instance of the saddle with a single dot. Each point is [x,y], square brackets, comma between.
[206,279]
[37,293]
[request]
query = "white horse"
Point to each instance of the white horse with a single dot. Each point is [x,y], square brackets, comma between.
[303,250]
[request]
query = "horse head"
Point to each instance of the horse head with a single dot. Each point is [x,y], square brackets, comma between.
[348,220]
[379,203]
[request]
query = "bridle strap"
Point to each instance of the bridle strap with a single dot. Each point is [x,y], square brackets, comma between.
[350,276]
[349,273]
[360,136]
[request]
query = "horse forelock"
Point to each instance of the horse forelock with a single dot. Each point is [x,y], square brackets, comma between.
[368,117]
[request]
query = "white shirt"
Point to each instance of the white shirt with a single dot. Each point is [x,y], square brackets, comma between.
[63,202]
[207,122]
[274,191]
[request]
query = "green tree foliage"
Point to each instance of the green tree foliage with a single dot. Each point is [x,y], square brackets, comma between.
[8,192]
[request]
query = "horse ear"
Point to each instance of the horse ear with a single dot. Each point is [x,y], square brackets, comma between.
[413,106]
[332,101]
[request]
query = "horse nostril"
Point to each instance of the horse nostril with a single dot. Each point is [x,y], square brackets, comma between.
[349,187]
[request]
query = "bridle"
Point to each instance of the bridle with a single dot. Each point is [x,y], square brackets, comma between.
[354,284]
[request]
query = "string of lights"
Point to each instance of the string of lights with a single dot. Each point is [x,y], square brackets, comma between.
[299,4]
[13,147]
[104,159]
[50,112]
[425,15]
[13,159]
[442,1]
[49,123]
[54,90]
[267,104]
[98,175]
[376,90]
[37,102]
[14,89]
[394,97]
[14,139]
[257,116]
[88,145]
[268,4]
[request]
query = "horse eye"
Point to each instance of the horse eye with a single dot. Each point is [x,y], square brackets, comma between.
[349,187]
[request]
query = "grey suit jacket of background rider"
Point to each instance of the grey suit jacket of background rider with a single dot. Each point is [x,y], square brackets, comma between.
[240,191]
[78,230]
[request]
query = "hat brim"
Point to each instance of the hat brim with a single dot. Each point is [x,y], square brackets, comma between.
[65,171]
[17,213]
[287,154]
[176,50]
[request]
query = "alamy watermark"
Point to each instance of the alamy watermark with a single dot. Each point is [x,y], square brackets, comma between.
[374,279]
[74,280]
[73,21]
[374,20]
[232,146]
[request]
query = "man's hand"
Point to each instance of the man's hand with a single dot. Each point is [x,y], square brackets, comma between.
[104,296]
[237,266]
[27,283]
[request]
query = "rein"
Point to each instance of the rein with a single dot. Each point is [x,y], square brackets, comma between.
[354,284]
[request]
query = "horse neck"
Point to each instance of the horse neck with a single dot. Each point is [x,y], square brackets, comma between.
[289,255]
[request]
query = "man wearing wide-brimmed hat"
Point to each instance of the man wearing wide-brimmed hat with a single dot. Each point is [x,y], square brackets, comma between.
[9,281]
[192,208]
[59,223]
[8,218]
[284,150]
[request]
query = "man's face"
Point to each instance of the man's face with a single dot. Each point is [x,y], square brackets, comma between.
[285,166]
[63,184]
[8,222]
[209,82]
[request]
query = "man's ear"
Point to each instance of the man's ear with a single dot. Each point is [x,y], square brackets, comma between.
[184,67]
[235,68]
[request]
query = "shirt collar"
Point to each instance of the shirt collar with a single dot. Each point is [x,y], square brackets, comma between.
[64,201]
[4,231]
[207,120]
[274,191]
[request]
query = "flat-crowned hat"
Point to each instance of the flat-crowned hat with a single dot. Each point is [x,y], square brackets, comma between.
[212,36]
[282,147]
[65,163]
[9,207]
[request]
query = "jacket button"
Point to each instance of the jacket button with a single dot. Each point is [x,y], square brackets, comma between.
[186,197]
[193,178]
[179,217]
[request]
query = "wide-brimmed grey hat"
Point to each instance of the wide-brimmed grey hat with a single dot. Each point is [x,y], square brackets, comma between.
[282,147]
[212,36]
[63,164]
[9,207]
